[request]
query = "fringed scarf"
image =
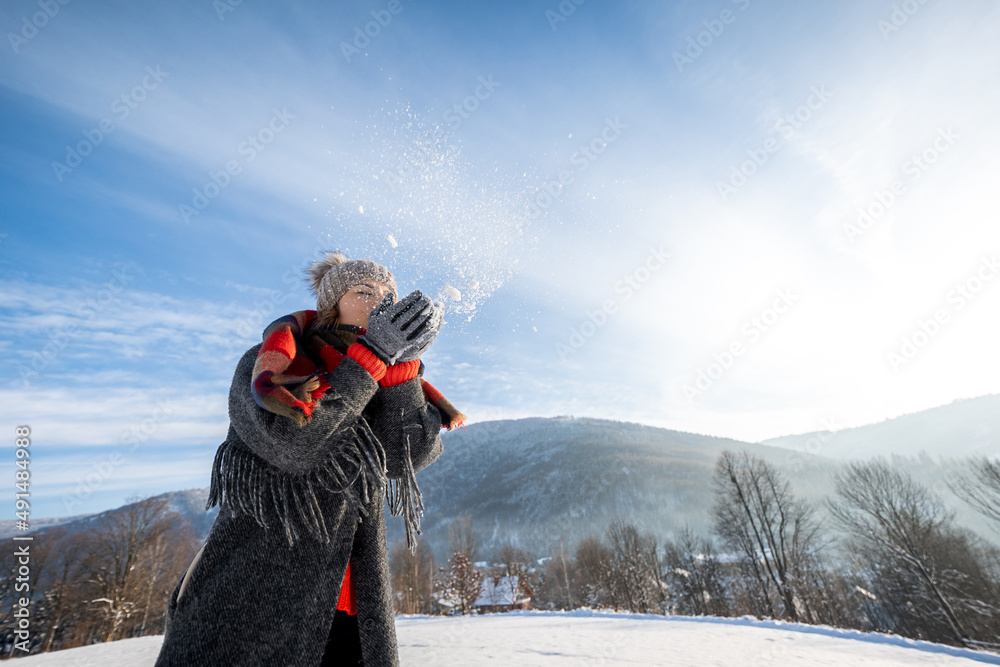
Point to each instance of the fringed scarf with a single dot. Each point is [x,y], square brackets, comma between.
[289,383]
[289,377]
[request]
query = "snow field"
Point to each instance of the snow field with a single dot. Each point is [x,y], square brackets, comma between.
[591,638]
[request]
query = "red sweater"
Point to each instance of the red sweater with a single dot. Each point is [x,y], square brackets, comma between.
[387,376]
[346,601]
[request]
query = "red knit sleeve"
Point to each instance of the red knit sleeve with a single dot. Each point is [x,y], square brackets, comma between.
[367,359]
[400,373]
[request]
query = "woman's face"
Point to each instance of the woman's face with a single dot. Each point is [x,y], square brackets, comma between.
[357,302]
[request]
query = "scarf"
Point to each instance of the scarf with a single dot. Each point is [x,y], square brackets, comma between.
[291,374]
[288,382]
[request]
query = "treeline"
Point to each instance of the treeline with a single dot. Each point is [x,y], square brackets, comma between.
[883,554]
[108,582]
[420,588]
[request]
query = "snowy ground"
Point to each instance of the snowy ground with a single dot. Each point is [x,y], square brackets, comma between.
[585,637]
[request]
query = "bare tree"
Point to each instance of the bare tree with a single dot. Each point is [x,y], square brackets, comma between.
[565,574]
[114,576]
[63,589]
[462,537]
[163,561]
[595,564]
[123,536]
[73,620]
[902,526]
[979,486]
[696,577]
[776,534]
[558,583]
[411,578]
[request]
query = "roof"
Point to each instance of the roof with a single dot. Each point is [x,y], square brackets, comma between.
[499,591]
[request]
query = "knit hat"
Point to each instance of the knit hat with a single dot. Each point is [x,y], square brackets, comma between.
[331,277]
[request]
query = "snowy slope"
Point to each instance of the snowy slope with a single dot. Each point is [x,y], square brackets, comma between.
[586,637]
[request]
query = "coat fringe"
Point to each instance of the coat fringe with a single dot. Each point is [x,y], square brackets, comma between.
[404,497]
[246,484]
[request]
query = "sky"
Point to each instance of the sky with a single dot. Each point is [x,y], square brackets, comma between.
[735,218]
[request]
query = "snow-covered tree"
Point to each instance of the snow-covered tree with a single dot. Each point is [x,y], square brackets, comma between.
[461,584]
[512,565]
[635,571]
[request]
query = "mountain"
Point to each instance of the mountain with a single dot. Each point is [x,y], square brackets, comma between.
[8,527]
[962,428]
[189,506]
[537,480]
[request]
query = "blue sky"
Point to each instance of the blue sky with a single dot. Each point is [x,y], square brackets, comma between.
[648,211]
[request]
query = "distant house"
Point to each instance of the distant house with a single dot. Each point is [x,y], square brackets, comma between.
[500,594]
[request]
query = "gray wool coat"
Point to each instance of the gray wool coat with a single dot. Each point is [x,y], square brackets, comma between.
[257,595]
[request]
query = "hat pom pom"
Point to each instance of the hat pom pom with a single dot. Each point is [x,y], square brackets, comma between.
[319,268]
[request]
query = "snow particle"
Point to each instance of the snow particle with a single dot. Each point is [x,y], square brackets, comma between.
[453,293]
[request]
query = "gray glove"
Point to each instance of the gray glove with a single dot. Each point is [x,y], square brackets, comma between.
[403,331]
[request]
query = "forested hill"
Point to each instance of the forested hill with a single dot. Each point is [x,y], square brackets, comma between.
[537,480]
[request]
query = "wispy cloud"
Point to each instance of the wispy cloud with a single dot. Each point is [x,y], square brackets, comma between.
[204,288]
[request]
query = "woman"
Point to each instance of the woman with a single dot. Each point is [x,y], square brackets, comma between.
[329,413]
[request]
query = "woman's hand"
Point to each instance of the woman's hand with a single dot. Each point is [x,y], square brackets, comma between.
[399,332]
